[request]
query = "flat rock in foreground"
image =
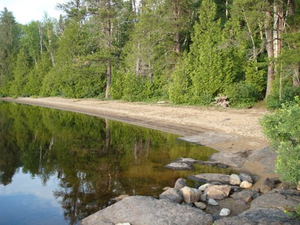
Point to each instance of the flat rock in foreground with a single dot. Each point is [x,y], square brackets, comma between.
[148,211]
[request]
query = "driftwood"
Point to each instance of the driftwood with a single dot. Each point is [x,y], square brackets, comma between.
[222,101]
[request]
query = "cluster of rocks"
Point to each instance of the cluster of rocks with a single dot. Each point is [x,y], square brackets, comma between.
[186,205]
[218,187]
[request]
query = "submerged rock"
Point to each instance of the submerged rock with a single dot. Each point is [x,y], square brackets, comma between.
[179,166]
[211,177]
[148,211]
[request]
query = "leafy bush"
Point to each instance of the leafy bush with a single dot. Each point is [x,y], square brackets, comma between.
[242,95]
[288,95]
[283,131]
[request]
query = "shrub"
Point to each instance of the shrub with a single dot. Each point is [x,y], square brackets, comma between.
[283,131]
[288,95]
[242,95]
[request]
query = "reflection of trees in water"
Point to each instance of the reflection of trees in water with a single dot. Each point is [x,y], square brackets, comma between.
[94,159]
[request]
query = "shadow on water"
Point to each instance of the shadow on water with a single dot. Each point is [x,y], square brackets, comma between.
[91,160]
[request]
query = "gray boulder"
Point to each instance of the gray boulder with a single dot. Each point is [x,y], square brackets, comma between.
[268,184]
[265,158]
[246,195]
[172,194]
[235,179]
[180,183]
[211,177]
[229,159]
[148,211]
[246,177]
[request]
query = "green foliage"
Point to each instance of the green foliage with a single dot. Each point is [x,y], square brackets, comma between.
[242,95]
[287,96]
[284,135]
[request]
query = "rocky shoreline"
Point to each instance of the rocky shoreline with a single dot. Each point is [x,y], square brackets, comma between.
[221,199]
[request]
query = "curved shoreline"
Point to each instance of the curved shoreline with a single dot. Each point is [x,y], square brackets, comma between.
[206,126]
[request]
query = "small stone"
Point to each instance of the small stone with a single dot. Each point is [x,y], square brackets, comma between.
[190,195]
[179,166]
[246,184]
[245,177]
[225,212]
[235,179]
[212,202]
[200,205]
[203,197]
[180,183]
[204,186]
[123,224]
[166,188]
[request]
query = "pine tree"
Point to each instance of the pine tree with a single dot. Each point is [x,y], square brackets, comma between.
[205,57]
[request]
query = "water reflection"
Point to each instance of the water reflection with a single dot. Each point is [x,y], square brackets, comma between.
[84,161]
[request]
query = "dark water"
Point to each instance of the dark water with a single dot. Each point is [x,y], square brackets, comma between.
[58,167]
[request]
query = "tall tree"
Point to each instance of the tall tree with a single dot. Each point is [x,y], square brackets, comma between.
[9,36]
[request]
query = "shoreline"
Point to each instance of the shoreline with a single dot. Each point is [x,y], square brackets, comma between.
[223,129]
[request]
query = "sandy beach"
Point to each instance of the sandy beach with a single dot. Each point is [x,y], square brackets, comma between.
[240,126]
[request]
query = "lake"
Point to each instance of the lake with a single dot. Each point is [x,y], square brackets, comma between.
[58,167]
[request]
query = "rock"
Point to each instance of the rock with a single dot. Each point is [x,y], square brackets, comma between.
[259,217]
[190,195]
[235,179]
[212,202]
[245,184]
[180,183]
[225,212]
[178,166]
[267,185]
[208,138]
[265,158]
[229,159]
[172,194]
[200,205]
[211,177]
[120,197]
[166,188]
[203,197]
[245,195]
[147,211]
[245,177]
[218,191]
[123,224]
[277,198]
[187,160]
[204,186]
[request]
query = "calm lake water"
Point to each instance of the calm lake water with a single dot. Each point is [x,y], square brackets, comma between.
[58,167]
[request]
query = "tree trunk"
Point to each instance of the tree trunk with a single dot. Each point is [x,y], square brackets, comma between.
[108,78]
[176,18]
[296,81]
[270,51]
[108,63]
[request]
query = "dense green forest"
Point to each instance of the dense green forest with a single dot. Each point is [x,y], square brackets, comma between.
[185,51]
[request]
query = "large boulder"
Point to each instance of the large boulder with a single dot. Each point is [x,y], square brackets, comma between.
[148,211]
[229,159]
[265,158]
[211,177]
[268,209]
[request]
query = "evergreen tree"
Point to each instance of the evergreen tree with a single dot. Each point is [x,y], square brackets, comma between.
[9,40]
[205,57]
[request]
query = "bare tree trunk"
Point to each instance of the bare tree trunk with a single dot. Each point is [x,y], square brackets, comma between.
[108,63]
[176,18]
[296,81]
[270,51]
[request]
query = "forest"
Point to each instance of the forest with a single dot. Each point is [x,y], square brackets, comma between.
[182,51]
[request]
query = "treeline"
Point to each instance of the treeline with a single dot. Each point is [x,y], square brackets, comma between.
[185,51]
